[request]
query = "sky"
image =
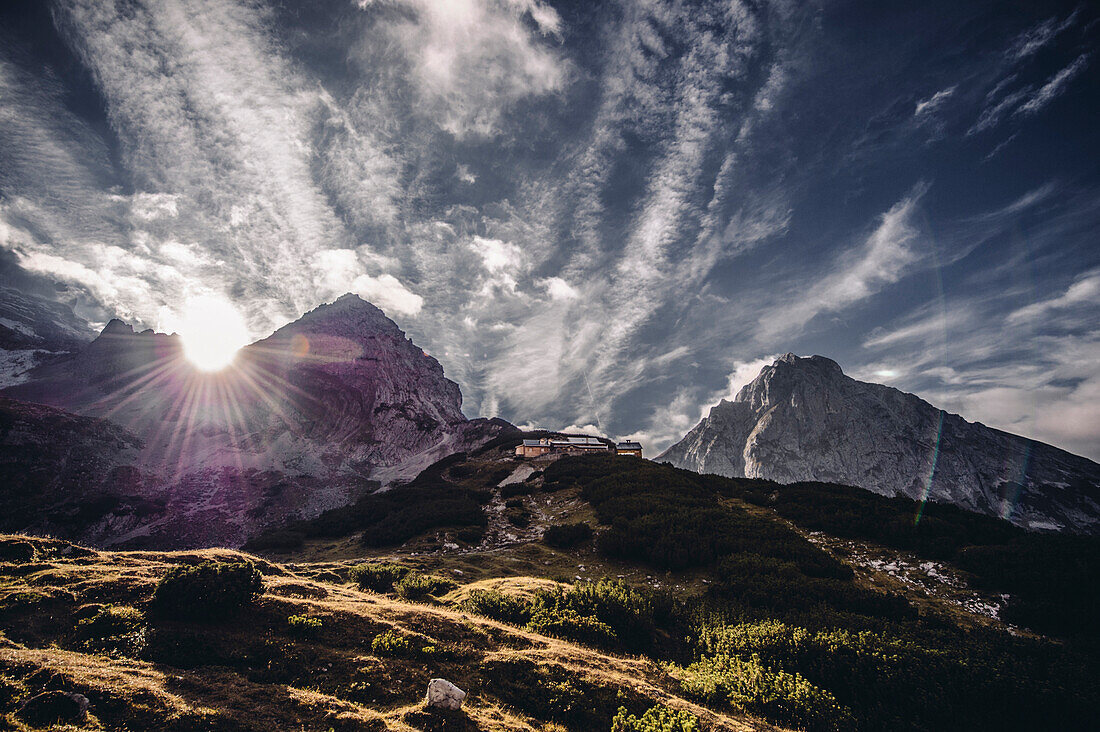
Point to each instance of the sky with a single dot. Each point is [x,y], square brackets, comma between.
[603,215]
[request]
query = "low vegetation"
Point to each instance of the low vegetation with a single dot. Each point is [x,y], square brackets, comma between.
[656,719]
[567,536]
[211,590]
[1054,579]
[784,631]
[716,608]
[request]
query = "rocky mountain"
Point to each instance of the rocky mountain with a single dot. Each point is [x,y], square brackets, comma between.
[305,420]
[802,419]
[34,330]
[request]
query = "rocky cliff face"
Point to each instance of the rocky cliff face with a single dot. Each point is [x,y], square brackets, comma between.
[302,421]
[34,331]
[802,419]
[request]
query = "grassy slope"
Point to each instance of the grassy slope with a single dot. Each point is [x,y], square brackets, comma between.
[334,680]
[254,674]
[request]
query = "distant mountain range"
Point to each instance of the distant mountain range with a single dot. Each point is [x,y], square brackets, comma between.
[121,441]
[124,441]
[802,419]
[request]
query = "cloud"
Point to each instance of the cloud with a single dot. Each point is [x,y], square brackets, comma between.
[993,114]
[883,258]
[929,325]
[474,59]
[1026,100]
[1055,86]
[342,270]
[559,289]
[1083,293]
[599,216]
[934,102]
[670,422]
[1039,36]
[1032,370]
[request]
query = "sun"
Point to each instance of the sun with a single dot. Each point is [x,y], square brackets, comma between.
[212,331]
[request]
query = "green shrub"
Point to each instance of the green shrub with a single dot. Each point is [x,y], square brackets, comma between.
[417,586]
[211,590]
[557,694]
[627,612]
[657,719]
[392,644]
[114,629]
[518,516]
[567,536]
[378,577]
[564,622]
[470,534]
[394,516]
[498,606]
[304,626]
[778,696]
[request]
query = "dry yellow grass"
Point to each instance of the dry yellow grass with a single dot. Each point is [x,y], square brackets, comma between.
[252,674]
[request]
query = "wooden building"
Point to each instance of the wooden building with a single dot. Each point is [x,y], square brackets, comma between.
[574,446]
[629,448]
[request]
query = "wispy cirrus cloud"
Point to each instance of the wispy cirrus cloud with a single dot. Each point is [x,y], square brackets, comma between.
[1037,37]
[883,258]
[1055,86]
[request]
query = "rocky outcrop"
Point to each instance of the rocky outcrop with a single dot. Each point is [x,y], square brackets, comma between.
[802,419]
[305,420]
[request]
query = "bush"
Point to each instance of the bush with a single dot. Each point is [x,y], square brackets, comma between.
[567,536]
[378,577]
[470,534]
[114,629]
[564,622]
[210,591]
[498,606]
[625,611]
[416,586]
[303,625]
[779,697]
[518,516]
[557,694]
[658,719]
[12,693]
[392,644]
[394,516]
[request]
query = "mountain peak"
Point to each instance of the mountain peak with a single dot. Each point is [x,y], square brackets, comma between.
[801,419]
[117,327]
[820,362]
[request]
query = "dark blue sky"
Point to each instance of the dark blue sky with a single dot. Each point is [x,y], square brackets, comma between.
[588,212]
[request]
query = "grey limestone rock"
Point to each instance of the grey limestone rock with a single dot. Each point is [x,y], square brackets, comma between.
[803,419]
[442,694]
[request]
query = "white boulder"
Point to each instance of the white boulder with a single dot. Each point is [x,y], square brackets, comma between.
[442,694]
